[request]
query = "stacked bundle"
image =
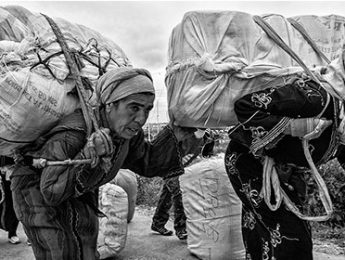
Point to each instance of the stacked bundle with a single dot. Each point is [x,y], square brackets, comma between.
[217,57]
[36,86]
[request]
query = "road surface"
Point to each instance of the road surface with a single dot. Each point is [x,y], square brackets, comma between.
[142,244]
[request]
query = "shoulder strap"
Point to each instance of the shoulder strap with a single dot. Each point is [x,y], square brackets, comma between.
[280,42]
[308,39]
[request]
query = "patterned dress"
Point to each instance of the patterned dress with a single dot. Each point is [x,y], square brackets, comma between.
[264,115]
[58,205]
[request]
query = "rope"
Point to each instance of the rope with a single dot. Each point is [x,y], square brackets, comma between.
[90,118]
[272,174]
[72,62]
[308,39]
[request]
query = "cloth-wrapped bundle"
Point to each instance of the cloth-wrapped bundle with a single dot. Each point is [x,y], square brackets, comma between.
[217,57]
[36,86]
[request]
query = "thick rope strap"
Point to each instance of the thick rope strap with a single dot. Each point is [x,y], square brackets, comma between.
[308,39]
[270,178]
[75,74]
[90,119]
[280,42]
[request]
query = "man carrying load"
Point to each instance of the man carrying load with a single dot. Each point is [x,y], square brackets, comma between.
[58,204]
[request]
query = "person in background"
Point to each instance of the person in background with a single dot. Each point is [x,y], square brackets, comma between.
[8,219]
[170,194]
[58,205]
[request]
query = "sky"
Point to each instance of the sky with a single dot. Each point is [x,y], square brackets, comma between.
[142,28]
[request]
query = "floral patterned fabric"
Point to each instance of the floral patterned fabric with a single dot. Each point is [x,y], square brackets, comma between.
[277,234]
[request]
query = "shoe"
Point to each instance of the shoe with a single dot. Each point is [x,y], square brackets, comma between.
[162,230]
[14,240]
[181,234]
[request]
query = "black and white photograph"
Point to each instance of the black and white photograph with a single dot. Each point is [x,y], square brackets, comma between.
[172,130]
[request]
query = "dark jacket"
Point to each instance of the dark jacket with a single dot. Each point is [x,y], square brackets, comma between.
[58,205]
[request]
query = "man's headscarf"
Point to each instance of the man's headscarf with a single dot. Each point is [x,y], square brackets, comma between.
[121,82]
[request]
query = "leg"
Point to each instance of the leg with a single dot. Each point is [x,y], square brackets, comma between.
[180,218]
[11,221]
[267,235]
[161,215]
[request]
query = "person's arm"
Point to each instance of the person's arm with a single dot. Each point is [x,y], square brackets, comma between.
[59,183]
[288,109]
[161,157]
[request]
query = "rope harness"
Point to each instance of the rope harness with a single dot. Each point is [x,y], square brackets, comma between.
[88,113]
[270,175]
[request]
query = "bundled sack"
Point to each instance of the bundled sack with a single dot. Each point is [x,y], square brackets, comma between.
[216,58]
[127,180]
[36,88]
[213,211]
[112,235]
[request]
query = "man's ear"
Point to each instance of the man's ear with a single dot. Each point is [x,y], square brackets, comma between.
[108,107]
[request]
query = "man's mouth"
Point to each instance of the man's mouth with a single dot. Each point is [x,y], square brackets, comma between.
[134,131]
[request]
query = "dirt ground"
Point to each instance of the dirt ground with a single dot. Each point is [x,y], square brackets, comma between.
[142,244]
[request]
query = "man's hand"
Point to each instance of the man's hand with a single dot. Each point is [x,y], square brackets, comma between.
[99,144]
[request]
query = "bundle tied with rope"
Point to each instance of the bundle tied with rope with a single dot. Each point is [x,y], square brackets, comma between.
[111,87]
[91,122]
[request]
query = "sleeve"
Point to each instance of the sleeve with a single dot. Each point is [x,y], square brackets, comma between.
[161,157]
[267,113]
[268,107]
[59,183]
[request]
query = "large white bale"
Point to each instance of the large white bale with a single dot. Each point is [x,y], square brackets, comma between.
[112,236]
[36,88]
[213,211]
[127,180]
[217,57]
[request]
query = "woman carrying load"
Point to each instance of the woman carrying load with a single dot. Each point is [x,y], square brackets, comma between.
[267,163]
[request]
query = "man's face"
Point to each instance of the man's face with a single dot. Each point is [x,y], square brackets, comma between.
[128,115]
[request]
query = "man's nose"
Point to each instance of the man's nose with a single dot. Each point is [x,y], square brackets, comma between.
[141,117]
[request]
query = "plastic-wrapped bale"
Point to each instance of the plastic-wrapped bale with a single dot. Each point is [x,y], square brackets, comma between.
[213,212]
[112,235]
[127,180]
[217,57]
[36,88]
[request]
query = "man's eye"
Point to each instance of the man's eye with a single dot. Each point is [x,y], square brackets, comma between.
[134,108]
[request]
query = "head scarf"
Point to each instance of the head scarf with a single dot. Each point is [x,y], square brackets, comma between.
[121,82]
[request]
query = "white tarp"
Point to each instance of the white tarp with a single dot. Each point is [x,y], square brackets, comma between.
[217,57]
